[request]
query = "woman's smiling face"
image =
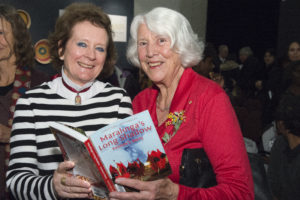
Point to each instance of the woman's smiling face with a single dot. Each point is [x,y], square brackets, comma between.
[158,60]
[85,53]
[294,51]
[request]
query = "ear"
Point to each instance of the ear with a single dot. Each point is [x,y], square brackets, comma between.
[60,51]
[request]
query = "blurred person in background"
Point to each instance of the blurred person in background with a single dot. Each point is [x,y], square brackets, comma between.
[284,166]
[17,74]
[223,52]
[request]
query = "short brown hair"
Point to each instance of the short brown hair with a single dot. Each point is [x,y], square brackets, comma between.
[22,47]
[73,14]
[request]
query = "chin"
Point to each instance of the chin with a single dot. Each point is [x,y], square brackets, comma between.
[86,80]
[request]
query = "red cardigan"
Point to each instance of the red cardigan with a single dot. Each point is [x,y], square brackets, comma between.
[210,123]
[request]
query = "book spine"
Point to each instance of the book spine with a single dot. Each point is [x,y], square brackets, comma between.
[107,180]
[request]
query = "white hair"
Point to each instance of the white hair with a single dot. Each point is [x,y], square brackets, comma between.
[246,51]
[170,23]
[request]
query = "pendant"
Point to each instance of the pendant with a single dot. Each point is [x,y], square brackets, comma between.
[77,99]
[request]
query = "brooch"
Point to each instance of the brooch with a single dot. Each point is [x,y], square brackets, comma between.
[174,119]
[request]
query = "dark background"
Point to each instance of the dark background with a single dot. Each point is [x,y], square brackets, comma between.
[242,23]
[260,24]
[44,13]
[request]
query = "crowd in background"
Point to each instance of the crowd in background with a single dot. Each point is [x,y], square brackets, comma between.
[254,84]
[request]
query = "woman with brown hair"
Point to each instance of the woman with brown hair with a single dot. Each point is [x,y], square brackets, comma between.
[81,48]
[16,75]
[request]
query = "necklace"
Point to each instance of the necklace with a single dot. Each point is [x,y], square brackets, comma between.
[77,98]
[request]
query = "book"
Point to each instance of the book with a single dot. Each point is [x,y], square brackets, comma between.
[129,147]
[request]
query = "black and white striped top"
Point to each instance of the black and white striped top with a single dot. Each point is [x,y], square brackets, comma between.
[34,152]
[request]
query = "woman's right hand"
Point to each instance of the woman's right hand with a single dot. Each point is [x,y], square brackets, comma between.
[68,186]
[158,189]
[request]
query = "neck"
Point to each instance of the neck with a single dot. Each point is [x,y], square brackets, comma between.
[70,83]
[293,140]
[7,73]
[167,91]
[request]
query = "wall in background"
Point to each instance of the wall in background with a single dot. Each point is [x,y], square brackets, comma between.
[193,10]
[44,14]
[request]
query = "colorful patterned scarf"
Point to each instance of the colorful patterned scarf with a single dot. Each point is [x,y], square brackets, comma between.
[21,84]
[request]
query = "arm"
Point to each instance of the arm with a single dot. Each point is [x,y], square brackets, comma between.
[125,107]
[23,175]
[33,161]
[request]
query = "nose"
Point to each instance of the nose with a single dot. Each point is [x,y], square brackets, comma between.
[151,50]
[90,53]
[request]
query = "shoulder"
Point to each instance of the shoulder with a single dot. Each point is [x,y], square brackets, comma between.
[144,94]
[41,88]
[37,94]
[143,99]
[148,92]
[204,87]
[109,88]
[110,93]
[280,144]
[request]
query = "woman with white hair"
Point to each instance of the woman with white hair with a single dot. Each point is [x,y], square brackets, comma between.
[192,115]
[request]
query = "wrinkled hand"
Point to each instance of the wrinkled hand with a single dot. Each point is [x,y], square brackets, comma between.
[159,189]
[4,133]
[68,186]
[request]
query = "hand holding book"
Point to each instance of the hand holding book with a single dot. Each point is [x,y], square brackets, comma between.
[65,183]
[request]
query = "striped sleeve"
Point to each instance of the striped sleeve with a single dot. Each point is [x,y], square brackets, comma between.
[25,173]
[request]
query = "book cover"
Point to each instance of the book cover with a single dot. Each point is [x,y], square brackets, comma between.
[132,148]
[129,147]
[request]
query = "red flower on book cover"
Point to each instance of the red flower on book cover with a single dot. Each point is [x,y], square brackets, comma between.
[114,172]
[157,160]
[136,168]
[120,171]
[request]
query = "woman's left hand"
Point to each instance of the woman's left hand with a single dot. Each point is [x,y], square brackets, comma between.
[68,186]
[159,189]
